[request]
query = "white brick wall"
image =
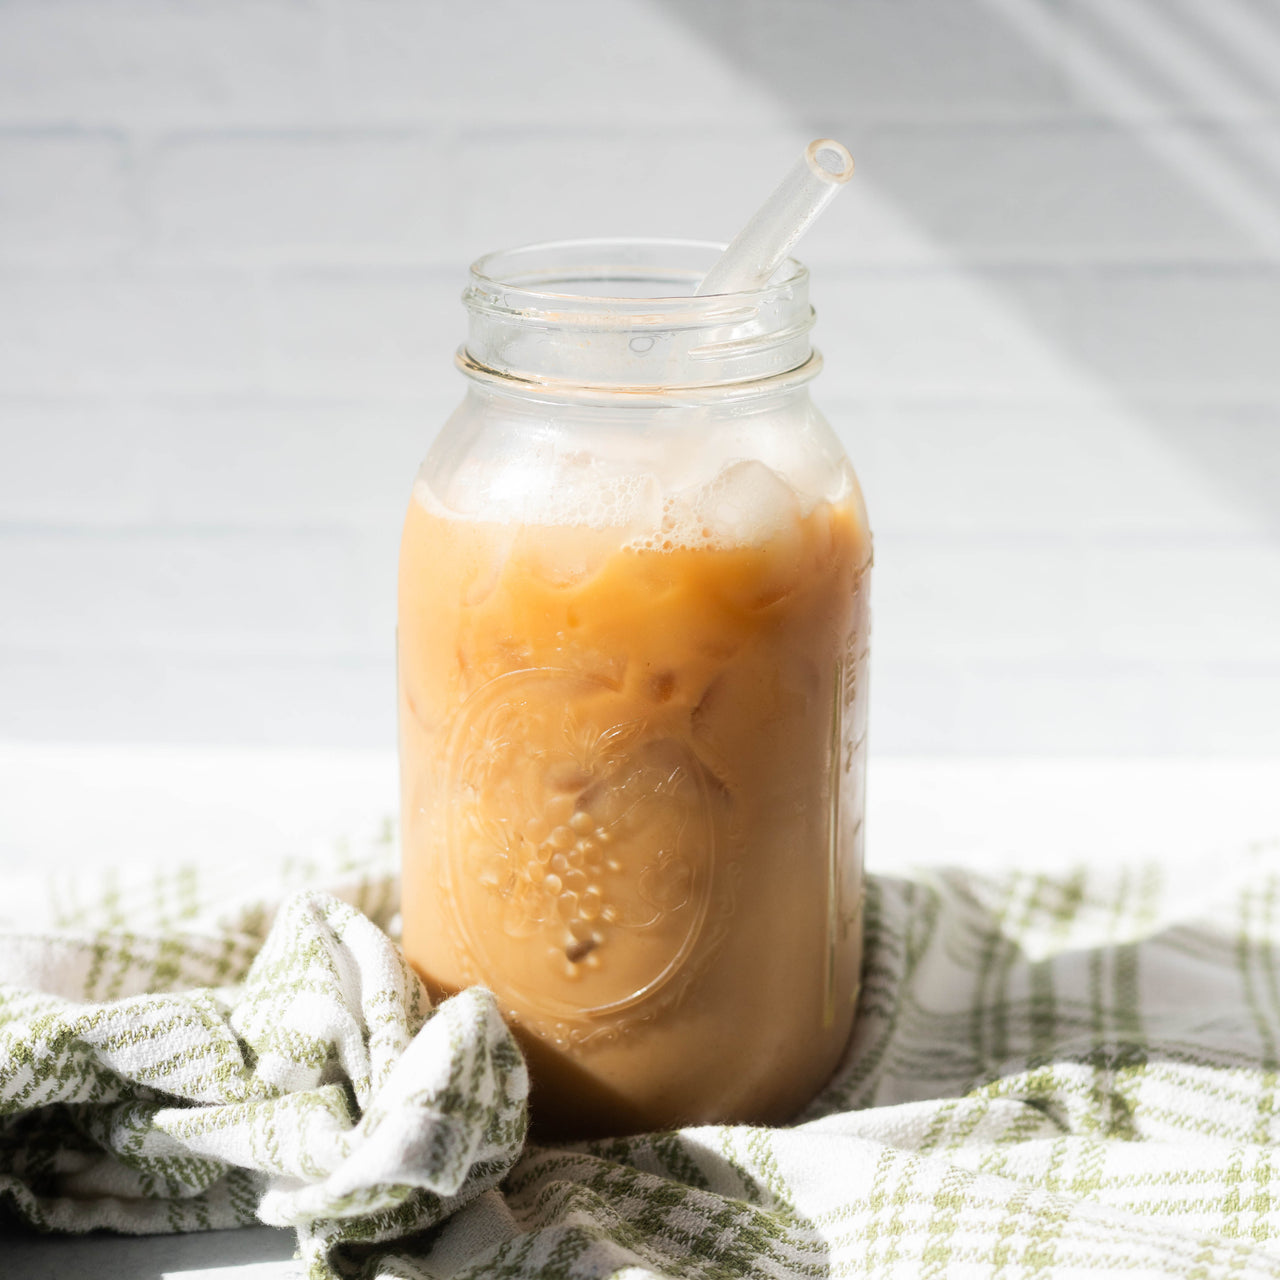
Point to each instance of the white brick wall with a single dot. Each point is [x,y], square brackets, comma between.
[149,65]
[233,235]
[134,327]
[327,195]
[66,197]
[383,331]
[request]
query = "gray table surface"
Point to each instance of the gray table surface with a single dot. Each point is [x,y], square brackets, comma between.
[252,1253]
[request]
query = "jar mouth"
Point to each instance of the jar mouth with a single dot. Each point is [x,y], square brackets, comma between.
[623,312]
[614,277]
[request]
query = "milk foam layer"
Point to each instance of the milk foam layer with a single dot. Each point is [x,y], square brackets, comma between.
[745,504]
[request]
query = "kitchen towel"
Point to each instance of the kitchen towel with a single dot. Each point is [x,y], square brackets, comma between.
[1050,1076]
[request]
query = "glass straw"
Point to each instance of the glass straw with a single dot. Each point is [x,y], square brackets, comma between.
[759,248]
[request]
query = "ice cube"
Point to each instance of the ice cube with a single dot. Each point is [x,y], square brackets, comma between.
[486,561]
[748,504]
[564,555]
[749,508]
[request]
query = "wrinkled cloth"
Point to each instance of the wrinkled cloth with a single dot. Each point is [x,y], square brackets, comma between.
[1049,1076]
[252,1060]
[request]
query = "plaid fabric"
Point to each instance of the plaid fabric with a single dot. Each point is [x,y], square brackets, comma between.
[1050,1076]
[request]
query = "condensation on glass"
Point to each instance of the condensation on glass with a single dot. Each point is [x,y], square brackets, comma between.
[633,686]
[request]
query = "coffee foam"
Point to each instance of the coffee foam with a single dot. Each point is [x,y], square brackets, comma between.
[610,502]
[746,503]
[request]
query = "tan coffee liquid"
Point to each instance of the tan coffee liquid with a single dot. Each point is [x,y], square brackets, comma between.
[632,795]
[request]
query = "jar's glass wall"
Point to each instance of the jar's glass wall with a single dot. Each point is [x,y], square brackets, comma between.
[632,659]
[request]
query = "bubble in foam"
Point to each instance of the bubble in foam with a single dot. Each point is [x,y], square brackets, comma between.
[586,493]
[584,521]
[746,504]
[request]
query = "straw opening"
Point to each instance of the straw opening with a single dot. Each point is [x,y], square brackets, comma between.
[830,160]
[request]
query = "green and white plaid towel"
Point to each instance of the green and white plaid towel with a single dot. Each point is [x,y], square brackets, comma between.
[1050,1076]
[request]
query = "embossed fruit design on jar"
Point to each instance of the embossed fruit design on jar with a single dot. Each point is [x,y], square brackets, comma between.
[632,680]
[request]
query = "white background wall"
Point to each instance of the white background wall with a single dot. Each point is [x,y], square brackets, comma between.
[233,235]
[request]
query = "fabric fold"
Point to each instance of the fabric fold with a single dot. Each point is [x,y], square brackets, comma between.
[321,1092]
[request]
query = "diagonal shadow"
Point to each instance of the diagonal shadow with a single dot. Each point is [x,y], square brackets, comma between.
[1175,99]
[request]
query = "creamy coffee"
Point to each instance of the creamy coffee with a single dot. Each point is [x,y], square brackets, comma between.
[632,763]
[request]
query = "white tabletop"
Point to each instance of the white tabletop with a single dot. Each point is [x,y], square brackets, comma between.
[74,806]
[83,806]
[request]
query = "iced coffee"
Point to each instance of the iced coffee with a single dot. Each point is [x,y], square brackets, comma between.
[632,758]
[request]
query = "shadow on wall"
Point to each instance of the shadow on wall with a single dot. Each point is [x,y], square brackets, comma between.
[1109,171]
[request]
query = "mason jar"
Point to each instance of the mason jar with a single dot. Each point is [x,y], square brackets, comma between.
[632,652]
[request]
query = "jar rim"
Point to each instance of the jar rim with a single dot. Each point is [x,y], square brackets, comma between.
[613,313]
[514,280]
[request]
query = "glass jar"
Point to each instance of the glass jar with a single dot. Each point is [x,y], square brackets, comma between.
[632,690]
